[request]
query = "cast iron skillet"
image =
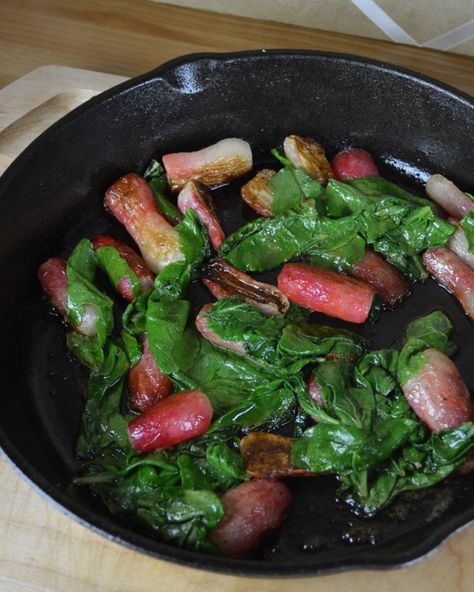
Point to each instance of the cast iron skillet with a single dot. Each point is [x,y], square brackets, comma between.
[51,197]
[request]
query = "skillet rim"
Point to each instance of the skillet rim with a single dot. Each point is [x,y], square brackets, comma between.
[363,558]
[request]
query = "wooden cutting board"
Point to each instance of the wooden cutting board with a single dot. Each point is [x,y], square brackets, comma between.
[43,550]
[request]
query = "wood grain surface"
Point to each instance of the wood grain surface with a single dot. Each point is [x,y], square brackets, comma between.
[128,37]
[41,549]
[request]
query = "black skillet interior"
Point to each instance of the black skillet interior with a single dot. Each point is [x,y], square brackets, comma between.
[52,196]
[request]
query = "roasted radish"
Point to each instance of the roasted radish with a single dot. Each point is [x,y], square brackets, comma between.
[251,510]
[268,455]
[437,393]
[453,274]
[354,163]
[175,419]
[308,155]
[131,201]
[53,278]
[459,245]
[217,164]
[223,280]
[383,277]
[326,291]
[146,383]
[124,285]
[258,194]
[195,196]
[445,193]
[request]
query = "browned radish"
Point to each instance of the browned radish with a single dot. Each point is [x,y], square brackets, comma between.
[223,280]
[437,393]
[453,274]
[326,291]
[269,456]
[383,277]
[214,165]
[175,419]
[196,197]
[257,193]
[309,155]
[131,201]
[251,510]
[146,383]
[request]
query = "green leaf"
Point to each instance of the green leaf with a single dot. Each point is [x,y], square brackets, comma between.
[174,279]
[80,271]
[156,177]
[378,186]
[343,200]
[420,465]
[88,350]
[270,406]
[397,224]
[103,425]
[134,316]
[430,331]
[194,363]
[193,238]
[156,173]
[172,344]
[291,188]
[116,268]
[274,343]
[367,434]
[284,161]
[234,320]
[193,475]
[132,348]
[327,448]
[266,243]
[225,465]
[468,226]
[341,259]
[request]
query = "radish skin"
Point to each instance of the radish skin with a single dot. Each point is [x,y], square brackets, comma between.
[326,291]
[146,383]
[383,277]
[195,196]
[437,394]
[445,193]
[354,163]
[453,274]
[458,244]
[53,278]
[251,510]
[173,420]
